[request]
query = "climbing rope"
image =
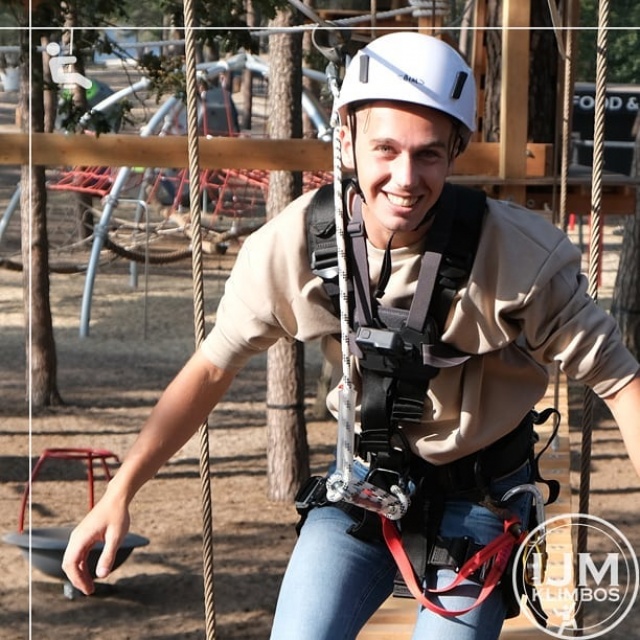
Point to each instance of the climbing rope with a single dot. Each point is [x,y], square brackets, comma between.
[346,419]
[563,134]
[198,305]
[595,246]
[343,485]
[567,106]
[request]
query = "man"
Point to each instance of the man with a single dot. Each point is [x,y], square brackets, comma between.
[407,109]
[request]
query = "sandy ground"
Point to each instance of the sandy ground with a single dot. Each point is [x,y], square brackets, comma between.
[109,381]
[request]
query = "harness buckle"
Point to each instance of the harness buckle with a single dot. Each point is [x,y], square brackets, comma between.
[324,262]
[382,348]
[386,478]
[313,493]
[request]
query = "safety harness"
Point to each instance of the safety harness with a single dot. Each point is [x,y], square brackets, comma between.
[399,353]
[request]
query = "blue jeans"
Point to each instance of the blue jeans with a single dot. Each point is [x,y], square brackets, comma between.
[335,582]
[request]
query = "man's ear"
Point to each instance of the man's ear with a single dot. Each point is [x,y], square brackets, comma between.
[346,143]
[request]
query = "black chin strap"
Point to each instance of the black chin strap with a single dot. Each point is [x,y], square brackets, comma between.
[385,271]
[351,118]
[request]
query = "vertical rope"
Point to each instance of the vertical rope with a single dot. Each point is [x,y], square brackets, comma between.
[198,304]
[595,247]
[346,418]
[567,106]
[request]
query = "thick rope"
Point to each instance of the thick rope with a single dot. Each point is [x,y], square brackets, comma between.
[198,305]
[167,257]
[345,450]
[560,216]
[594,258]
[342,485]
[567,106]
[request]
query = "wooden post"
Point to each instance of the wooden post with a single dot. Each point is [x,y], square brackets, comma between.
[514,96]
[430,15]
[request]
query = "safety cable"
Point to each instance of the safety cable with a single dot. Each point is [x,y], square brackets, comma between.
[595,247]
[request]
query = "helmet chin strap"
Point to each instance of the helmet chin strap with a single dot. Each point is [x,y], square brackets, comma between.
[351,119]
[428,217]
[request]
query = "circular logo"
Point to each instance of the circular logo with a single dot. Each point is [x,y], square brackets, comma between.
[566,592]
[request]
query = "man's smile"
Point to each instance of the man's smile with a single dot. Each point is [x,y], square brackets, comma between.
[402,201]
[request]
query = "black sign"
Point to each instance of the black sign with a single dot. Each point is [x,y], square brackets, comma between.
[622,105]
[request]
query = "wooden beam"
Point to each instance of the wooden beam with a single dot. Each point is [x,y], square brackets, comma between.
[116,150]
[514,96]
[167,151]
[484,157]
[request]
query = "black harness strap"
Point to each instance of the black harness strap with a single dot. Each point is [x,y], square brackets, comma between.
[321,241]
[356,232]
[397,362]
[399,351]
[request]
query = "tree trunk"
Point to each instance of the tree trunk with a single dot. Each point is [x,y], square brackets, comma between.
[287,448]
[625,305]
[543,74]
[247,79]
[492,82]
[40,348]
[50,95]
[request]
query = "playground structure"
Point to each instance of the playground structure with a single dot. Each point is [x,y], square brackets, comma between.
[152,203]
[44,547]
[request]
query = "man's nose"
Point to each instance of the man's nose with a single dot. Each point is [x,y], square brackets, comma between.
[404,170]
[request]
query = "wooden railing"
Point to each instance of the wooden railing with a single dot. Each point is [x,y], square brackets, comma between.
[117,150]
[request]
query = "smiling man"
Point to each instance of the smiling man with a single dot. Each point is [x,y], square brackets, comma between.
[459,305]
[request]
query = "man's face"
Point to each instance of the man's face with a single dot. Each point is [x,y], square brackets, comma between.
[403,156]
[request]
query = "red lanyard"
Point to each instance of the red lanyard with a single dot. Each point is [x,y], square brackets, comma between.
[497,552]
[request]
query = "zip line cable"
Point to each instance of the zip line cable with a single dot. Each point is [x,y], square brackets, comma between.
[595,246]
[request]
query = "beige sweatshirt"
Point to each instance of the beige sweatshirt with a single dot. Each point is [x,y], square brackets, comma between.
[524,307]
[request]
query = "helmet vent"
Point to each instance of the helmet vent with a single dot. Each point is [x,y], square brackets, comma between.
[461,79]
[364,69]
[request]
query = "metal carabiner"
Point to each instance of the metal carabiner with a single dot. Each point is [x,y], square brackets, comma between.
[536,554]
[538,501]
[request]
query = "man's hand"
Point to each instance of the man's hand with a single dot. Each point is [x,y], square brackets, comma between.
[105,523]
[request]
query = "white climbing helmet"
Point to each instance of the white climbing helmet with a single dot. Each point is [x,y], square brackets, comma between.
[416,68]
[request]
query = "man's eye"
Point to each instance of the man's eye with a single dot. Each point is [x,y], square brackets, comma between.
[431,154]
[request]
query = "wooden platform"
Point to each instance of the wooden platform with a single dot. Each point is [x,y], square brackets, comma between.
[395,619]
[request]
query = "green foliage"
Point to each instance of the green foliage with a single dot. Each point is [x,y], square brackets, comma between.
[224,24]
[623,59]
[69,115]
[51,15]
[221,25]
[166,74]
